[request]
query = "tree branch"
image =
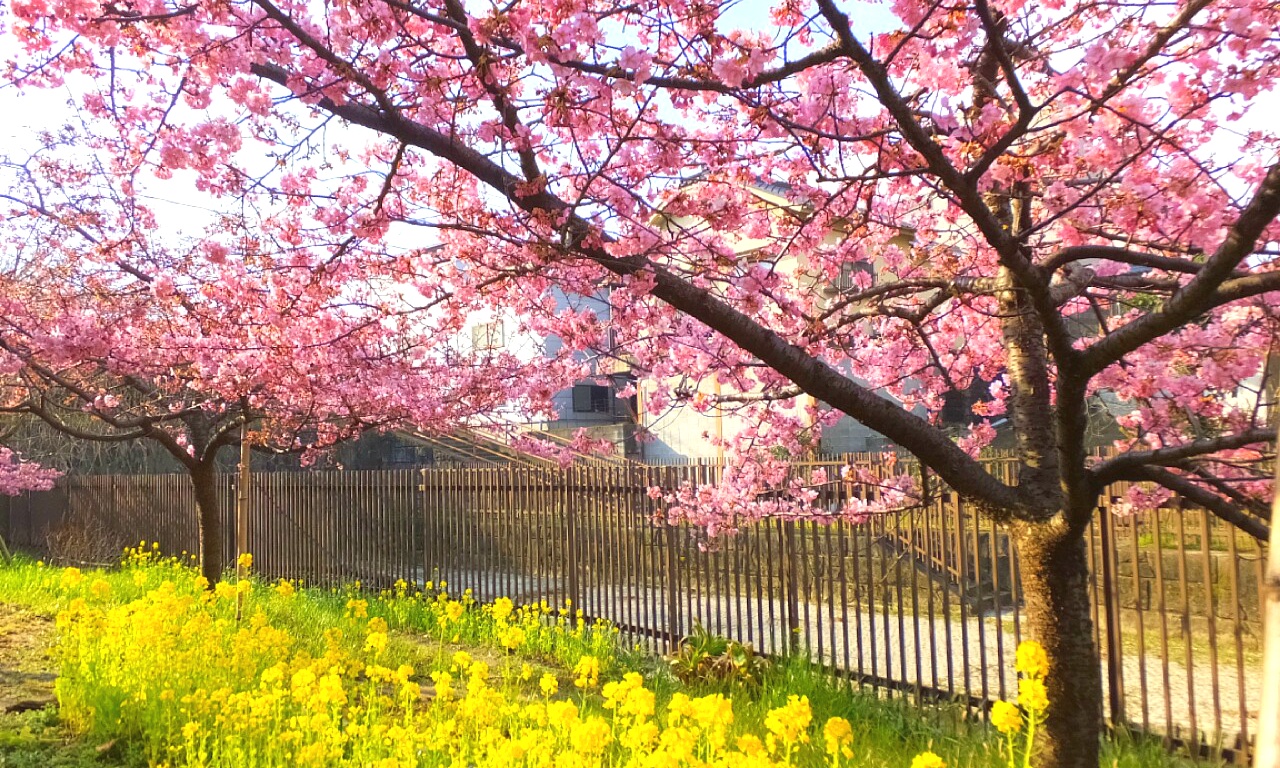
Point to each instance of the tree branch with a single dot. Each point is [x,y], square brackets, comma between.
[1123,255]
[61,426]
[1202,497]
[814,376]
[1197,296]
[1114,469]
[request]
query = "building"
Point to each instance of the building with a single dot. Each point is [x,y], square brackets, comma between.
[593,404]
[683,432]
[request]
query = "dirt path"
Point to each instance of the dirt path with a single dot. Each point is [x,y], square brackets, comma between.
[26,663]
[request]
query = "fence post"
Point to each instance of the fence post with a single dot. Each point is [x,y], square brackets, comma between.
[791,584]
[675,631]
[115,505]
[569,478]
[1111,610]
[425,506]
[242,503]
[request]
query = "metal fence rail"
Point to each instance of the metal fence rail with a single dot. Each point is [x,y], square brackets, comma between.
[925,602]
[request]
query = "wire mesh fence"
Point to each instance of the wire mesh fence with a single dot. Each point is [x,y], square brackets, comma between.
[925,603]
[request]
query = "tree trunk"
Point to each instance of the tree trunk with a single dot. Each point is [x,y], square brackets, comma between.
[204,479]
[1268,732]
[1054,570]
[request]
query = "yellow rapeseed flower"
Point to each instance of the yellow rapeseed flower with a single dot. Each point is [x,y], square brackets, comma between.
[358,609]
[588,672]
[548,684]
[640,736]
[1032,660]
[1006,717]
[713,711]
[502,608]
[272,676]
[790,722]
[301,682]
[591,736]
[444,685]
[928,760]
[838,735]
[477,681]
[677,708]
[513,638]
[71,577]
[640,703]
[1032,694]
[750,745]
[562,713]
[245,561]
[376,642]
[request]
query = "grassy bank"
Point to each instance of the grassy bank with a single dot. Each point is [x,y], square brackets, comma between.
[166,672]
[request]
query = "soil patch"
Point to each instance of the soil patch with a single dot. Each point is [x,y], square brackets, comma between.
[26,661]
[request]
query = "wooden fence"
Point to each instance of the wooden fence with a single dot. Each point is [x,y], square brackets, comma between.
[924,603]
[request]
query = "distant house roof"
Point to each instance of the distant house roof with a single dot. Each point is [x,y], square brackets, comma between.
[779,188]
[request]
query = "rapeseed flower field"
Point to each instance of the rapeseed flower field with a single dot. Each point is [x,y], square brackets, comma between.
[260,674]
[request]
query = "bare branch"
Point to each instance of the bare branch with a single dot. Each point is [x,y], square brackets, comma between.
[1202,497]
[1115,469]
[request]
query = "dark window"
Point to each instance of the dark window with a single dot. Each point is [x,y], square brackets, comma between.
[957,405]
[591,398]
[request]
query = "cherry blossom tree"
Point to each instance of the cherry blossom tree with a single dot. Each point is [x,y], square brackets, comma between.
[1060,203]
[112,333]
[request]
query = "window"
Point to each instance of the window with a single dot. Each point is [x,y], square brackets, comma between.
[847,279]
[957,405]
[591,398]
[487,336]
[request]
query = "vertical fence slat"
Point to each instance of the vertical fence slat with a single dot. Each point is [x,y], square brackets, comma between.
[1111,615]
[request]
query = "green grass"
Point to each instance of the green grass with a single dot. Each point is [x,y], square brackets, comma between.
[40,740]
[888,731]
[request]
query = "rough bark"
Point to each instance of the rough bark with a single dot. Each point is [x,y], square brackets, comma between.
[1054,570]
[209,511]
[1268,729]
